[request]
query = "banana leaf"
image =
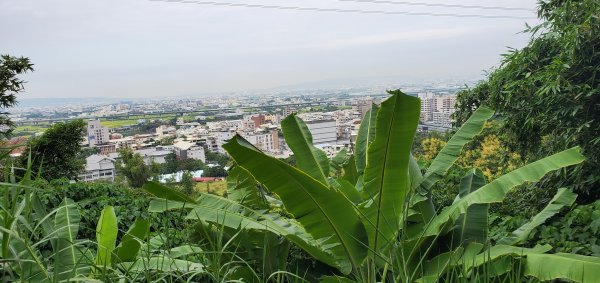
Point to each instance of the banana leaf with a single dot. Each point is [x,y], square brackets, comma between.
[309,159]
[323,212]
[366,135]
[563,197]
[386,178]
[228,213]
[573,267]
[131,242]
[106,235]
[472,226]
[68,260]
[242,188]
[448,155]
[497,189]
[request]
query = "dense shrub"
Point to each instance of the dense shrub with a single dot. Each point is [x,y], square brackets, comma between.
[577,231]
[129,205]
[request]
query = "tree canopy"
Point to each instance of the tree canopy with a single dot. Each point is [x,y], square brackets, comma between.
[548,93]
[10,86]
[132,166]
[56,152]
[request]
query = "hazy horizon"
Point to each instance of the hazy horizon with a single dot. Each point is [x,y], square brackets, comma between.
[140,48]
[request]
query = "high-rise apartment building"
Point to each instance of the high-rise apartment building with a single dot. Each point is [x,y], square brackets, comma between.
[96,133]
[323,131]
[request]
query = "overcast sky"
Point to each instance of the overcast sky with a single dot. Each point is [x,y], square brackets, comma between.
[141,48]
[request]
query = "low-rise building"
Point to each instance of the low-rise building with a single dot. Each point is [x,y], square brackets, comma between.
[107,148]
[98,167]
[155,154]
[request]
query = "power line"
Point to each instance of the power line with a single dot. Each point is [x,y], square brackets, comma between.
[336,10]
[440,5]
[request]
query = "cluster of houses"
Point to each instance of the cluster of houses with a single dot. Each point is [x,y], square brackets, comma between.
[331,131]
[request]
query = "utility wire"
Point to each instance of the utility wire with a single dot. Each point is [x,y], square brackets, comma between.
[336,10]
[440,5]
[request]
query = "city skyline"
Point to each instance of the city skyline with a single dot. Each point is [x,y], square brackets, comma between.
[146,48]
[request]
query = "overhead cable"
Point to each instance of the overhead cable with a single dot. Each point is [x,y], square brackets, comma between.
[337,10]
[440,5]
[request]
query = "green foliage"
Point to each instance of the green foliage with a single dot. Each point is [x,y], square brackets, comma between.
[555,78]
[330,215]
[216,158]
[10,86]
[214,171]
[132,166]
[106,236]
[129,204]
[172,164]
[187,183]
[577,231]
[56,152]
[348,223]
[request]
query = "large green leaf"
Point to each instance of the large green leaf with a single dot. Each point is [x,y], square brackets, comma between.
[309,159]
[497,260]
[499,251]
[131,242]
[386,177]
[24,258]
[68,255]
[335,279]
[163,192]
[165,263]
[347,189]
[338,161]
[366,135]
[106,235]
[472,226]
[421,201]
[564,197]
[323,212]
[438,265]
[350,173]
[497,189]
[242,188]
[577,268]
[227,213]
[448,155]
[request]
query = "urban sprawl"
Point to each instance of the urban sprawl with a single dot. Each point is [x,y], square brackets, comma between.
[190,127]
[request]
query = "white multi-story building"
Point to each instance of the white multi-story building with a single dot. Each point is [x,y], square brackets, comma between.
[435,108]
[323,131]
[428,106]
[98,167]
[265,141]
[188,150]
[96,133]
[164,130]
[220,139]
[446,102]
[442,118]
[196,152]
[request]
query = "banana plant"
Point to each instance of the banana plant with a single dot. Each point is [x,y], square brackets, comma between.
[370,215]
